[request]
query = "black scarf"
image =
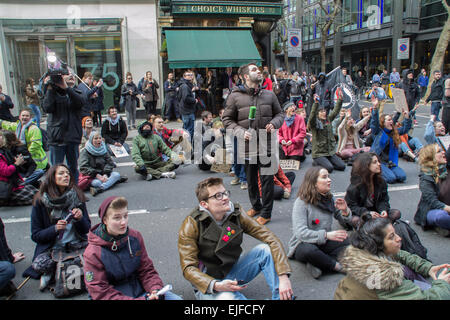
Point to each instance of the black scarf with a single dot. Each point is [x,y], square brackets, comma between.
[326,203]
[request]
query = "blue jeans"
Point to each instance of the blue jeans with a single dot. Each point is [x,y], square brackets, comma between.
[392,175]
[113,178]
[7,273]
[435,109]
[35,176]
[439,218]
[414,143]
[238,169]
[259,259]
[189,123]
[37,114]
[70,152]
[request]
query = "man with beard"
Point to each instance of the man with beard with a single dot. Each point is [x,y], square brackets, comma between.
[187,102]
[412,91]
[436,95]
[269,117]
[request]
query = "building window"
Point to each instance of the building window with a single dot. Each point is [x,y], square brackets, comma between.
[432,14]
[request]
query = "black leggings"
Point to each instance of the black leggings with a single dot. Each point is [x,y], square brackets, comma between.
[322,256]
[330,163]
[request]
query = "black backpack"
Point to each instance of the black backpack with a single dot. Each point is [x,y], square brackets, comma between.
[410,240]
[44,140]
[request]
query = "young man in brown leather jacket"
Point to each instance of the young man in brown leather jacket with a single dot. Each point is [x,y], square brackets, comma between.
[210,249]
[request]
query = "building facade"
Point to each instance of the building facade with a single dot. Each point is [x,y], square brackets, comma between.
[107,38]
[369,34]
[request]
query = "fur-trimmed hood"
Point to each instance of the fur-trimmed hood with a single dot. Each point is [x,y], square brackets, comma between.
[374,272]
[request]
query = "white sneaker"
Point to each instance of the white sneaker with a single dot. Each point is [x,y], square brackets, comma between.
[170,174]
[235,181]
[149,177]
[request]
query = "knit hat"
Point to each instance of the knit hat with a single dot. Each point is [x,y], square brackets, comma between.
[300,104]
[287,105]
[104,206]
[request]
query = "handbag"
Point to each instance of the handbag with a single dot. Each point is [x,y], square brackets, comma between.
[69,275]
[5,190]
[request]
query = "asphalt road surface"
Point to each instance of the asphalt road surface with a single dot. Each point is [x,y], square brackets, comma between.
[157,209]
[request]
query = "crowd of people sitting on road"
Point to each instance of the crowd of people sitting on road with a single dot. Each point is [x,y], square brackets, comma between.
[297,115]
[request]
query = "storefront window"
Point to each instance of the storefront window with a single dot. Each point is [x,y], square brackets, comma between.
[101,55]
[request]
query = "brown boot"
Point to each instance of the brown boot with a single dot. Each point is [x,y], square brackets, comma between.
[252,212]
[262,221]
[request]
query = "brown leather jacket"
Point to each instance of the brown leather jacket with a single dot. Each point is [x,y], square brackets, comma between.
[188,246]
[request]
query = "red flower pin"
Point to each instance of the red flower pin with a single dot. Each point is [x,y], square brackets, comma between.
[317,221]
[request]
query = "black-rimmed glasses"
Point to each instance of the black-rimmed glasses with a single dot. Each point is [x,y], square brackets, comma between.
[219,195]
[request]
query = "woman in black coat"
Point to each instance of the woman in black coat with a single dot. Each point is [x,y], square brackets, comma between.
[59,220]
[367,192]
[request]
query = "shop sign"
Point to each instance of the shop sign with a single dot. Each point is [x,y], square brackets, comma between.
[229,9]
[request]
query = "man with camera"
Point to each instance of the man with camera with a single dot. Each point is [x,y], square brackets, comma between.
[5,105]
[64,104]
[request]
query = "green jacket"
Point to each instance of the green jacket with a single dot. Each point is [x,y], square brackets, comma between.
[323,141]
[371,277]
[33,137]
[146,151]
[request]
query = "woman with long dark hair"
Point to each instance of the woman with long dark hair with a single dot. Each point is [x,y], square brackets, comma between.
[387,142]
[367,192]
[59,221]
[377,269]
[313,241]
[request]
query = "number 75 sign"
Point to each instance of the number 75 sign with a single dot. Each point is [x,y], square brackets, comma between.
[106,73]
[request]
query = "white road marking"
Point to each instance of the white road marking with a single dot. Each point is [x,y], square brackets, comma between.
[391,189]
[92,215]
[125,164]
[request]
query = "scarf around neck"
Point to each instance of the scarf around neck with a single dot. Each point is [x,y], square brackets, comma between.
[93,150]
[289,120]
[393,150]
[326,203]
[113,122]
[20,131]
[438,176]
[62,205]
[102,233]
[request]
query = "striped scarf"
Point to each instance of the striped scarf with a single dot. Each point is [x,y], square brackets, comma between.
[20,131]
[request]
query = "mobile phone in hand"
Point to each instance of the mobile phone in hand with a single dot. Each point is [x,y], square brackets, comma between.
[242,283]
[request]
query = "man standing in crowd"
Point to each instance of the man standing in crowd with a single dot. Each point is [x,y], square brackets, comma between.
[210,247]
[30,135]
[385,78]
[360,82]
[149,93]
[5,105]
[394,77]
[348,78]
[423,83]
[412,91]
[90,95]
[269,116]
[171,104]
[64,105]
[437,94]
[187,102]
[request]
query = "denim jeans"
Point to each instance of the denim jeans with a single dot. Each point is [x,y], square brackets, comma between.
[414,143]
[37,114]
[239,171]
[392,175]
[70,152]
[188,123]
[7,273]
[249,265]
[113,178]
[438,218]
[35,176]
[435,109]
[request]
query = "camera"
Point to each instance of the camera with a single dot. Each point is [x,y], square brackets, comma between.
[56,68]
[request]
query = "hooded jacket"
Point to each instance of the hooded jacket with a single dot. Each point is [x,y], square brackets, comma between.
[371,277]
[186,101]
[146,150]
[295,133]
[118,270]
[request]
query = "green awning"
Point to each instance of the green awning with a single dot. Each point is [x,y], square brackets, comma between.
[210,48]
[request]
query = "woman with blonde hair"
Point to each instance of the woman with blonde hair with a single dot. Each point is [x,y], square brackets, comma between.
[433,210]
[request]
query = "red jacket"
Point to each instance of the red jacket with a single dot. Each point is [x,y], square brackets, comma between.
[295,133]
[279,179]
[267,82]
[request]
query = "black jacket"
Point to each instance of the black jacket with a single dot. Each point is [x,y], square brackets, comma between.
[114,133]
[5,114]
[64,109]
[428,200]
[412,92]
[5,251]
[29,166]
[357,195]
[437,91]
[187,100]
[89,103]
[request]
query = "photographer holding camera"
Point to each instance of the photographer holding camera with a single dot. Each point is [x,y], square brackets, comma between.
[64,104]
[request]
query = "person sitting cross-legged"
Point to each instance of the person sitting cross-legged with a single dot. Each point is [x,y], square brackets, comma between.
[210,247]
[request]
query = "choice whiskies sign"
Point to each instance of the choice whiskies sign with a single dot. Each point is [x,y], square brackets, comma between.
[225,8]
